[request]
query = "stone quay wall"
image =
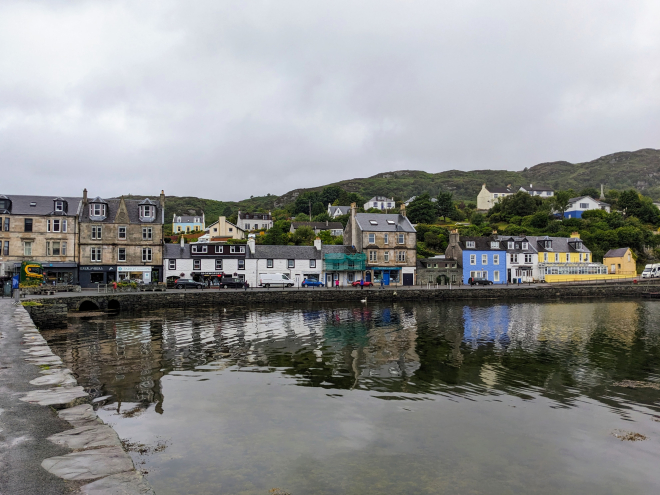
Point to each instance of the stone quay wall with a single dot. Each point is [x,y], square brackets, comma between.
[184,299]
[48,316]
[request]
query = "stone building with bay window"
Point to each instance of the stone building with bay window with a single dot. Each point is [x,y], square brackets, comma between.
[121,240]
[389,242]
[41,229]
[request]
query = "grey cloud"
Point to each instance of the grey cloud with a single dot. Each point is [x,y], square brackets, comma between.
[230,99]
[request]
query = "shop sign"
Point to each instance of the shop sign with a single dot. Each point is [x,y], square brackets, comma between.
[134,268]
[99,268]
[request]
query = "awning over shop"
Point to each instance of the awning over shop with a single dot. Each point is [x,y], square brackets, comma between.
[208,273]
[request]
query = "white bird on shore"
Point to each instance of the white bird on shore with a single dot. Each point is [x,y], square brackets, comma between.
[364,300]
[224,310]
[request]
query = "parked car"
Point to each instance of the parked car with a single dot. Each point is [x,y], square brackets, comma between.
[308,282]
[479,281]
[232,283]
[187,284]
[366,283]
[275,280]
[651,271]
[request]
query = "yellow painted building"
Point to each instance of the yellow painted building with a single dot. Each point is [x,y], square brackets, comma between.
[621,261]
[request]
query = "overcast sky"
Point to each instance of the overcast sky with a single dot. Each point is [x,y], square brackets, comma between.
[225,100]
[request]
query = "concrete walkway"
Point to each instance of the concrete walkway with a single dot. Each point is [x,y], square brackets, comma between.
[43,451]
[24,428]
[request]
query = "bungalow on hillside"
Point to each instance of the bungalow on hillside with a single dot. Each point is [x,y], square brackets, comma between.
[337,211]
[380,203]
[544,192]
[336,228]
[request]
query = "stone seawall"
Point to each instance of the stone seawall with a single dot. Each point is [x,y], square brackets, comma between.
[183,299]
[48,316]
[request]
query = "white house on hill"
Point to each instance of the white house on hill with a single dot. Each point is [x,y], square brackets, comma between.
[488,196]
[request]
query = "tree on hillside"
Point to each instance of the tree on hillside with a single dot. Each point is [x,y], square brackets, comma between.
[445,204]
[560,201]
[590,191]
[303,236]
[629,202]
[422,209]
[330,194]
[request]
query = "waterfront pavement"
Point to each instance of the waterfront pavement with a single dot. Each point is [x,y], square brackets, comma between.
[36,442]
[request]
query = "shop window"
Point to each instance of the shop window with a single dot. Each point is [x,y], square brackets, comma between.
[28,225]
[312,263]
[146,255]
[291,263]
[121,233]
[27,248]
[121,254]
[218,264]
[241,264]
[96,232]
[197,264]
[96,278]
[269,263]
[172,264]
[96,255]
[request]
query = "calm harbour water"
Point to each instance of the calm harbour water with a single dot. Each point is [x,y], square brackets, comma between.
[378,399]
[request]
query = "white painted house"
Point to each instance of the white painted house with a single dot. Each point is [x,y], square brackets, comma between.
[544,192]
[297,262]
[380,202]
[577,206]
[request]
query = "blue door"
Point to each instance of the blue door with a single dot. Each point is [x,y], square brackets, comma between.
[368,277]
[386,277]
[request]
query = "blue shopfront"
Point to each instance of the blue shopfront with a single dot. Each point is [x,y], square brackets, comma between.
[389,275]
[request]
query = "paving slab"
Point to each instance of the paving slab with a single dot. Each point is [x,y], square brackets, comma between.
[89,464]
[131,483]
[64,379]
[81,415]
[87,437]
[58,397]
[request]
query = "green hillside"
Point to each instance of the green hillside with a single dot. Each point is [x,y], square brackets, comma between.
[637,169]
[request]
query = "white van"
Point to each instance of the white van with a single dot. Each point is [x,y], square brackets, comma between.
[651,271]
[275,280]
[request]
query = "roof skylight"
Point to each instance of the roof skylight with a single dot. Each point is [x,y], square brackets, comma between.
[391,222]
[373,222]
[34,203]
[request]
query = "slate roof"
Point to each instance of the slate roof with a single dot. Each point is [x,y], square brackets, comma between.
[559,244]
[254,216]
[262,251]
[575,200]
[380,198]
[481,244]
[318,225]
[499,190]
[343,210]
[187,218]
[531,246]
[537,188]
[616,253]
[132,207]
[172,251]
[20,205]
[400,223]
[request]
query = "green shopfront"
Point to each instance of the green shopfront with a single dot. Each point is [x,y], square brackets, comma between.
[389,275]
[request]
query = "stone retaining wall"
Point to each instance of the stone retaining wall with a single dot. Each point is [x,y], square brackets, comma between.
[49,316]
[181,299]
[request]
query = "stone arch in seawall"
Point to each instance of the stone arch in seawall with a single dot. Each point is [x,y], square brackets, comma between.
[114,305]
[88,305]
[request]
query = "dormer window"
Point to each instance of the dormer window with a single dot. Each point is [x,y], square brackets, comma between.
[510,244]
[469,244]
[97,210]
[525,245]
[5,204]
[178,220]
[494,245]
[548,244]
[59,205]
[147,211]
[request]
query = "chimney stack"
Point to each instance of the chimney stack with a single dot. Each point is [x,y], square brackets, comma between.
[85,196]
[402,209]
[251,244]
[318,244]
[181,240]
[602,191]
[162,198]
